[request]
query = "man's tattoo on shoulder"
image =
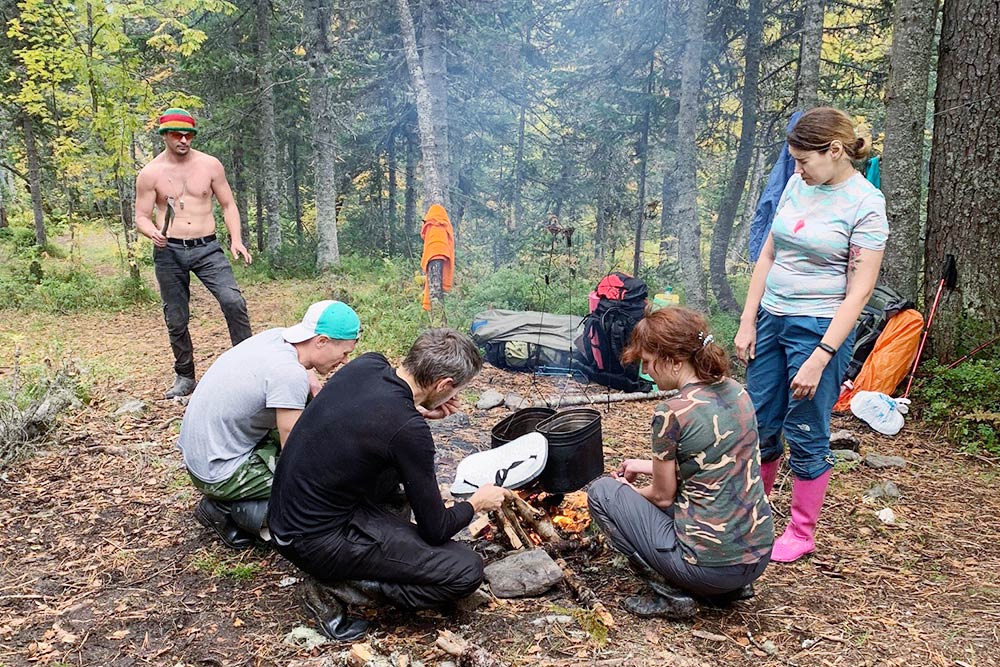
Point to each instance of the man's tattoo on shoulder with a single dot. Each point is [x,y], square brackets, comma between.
[853,260]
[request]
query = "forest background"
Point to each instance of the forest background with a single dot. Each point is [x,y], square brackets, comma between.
[647,127]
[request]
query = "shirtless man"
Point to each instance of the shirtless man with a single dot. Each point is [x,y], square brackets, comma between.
[181,181]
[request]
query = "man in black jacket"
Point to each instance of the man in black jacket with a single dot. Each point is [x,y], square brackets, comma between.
[368,425]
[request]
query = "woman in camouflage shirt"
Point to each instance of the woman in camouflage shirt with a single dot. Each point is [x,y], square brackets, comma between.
[703,525]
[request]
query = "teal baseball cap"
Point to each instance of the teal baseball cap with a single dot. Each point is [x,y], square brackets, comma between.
[333,319]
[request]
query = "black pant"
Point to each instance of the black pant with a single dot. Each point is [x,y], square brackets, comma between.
[381,546]
[174,265]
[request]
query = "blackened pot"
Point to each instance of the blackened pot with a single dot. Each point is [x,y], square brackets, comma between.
[576,449]
[520,423]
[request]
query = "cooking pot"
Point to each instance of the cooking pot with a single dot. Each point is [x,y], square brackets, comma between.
[520,423]
[576,449]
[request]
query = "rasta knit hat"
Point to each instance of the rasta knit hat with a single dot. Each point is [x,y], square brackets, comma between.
[178,120]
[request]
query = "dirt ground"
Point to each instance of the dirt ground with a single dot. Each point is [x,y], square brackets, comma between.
[103,564]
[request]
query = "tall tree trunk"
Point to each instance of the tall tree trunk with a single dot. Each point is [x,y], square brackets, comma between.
[810,45]
[324,131]
[692,273]
[465,188]
[435,65]
[240,189]
[903,155]
[744,152]
[643,150]
[293,168]
[435,191]
[667,260]
[965,175]
[738,248]
[410,187]
[259,204]
[3,199]
[268,137]
[127,193]
[391,169]
[602,221]
[34,178]
[517,208]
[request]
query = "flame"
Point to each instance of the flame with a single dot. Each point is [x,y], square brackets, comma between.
[572,516]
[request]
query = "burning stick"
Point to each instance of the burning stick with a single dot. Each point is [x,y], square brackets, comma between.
[586,596]
[537,520]
[554,542]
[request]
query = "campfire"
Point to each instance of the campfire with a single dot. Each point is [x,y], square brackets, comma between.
[538,518]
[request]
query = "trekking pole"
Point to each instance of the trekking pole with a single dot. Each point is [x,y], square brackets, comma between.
[949,278]
[981,347]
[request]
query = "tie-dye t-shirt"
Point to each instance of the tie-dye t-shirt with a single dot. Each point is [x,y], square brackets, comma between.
[814,228]
[721,514]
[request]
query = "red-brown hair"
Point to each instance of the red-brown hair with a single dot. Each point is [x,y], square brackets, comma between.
[819,127]
[679,334]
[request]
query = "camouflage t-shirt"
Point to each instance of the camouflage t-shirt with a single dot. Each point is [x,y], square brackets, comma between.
[721,514]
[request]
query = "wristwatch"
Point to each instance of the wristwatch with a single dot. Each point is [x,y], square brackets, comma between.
[829,349]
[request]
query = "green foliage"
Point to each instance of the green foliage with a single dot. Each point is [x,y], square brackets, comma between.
[967,400]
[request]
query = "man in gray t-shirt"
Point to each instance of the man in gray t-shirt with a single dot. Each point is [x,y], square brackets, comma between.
[252,389]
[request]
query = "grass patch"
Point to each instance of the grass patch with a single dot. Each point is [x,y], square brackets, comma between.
[966,399]
[230,567]
[588,622]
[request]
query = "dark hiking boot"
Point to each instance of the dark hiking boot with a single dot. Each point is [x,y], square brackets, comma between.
[329,614]
[677,606]
[215,515]
[251,517]
[357,592]
[183,386]
[726,599]
[656,581]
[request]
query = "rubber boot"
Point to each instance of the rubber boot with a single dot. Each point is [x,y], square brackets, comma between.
[183,386]
[216,516]
[329,614]
[251,516]
[807,499]
[769,473]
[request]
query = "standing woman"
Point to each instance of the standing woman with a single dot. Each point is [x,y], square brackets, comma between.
[702,527]
[815,274]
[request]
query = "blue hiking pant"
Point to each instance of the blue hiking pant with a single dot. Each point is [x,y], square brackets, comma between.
[784,342]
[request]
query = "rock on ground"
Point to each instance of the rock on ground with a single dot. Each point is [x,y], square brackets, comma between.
[516,401]
[523,574]
[844,439]
[491,398]
[131,407]
[846,455]
[879,462]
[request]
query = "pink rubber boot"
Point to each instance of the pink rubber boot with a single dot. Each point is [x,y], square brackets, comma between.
[797,540]
[768,473]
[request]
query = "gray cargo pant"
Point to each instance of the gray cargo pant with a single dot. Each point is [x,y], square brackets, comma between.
[174,265]
[637,527]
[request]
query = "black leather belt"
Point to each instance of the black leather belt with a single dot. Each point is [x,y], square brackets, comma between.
[192,243]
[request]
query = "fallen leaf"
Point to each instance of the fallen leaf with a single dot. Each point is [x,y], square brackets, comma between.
[710,636]
[118,634]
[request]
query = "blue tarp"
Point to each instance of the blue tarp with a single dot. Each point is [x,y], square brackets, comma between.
[768,202]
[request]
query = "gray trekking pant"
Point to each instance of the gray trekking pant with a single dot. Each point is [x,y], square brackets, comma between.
[637,527]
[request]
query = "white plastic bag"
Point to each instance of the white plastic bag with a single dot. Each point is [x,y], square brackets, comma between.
[881,412]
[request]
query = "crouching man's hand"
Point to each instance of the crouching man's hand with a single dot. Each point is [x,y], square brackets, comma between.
[488,498]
